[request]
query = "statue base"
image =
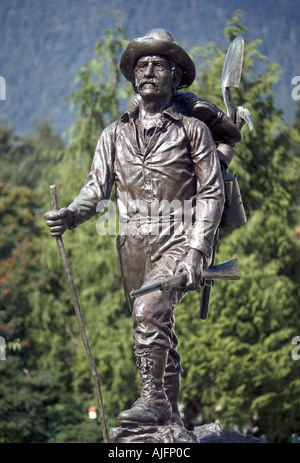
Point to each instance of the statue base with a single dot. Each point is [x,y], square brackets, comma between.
[208,433]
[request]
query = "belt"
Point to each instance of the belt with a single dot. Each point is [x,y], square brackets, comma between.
[138,221]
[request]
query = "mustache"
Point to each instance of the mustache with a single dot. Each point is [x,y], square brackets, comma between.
[148,81]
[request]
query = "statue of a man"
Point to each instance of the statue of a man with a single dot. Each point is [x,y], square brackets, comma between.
[157,154]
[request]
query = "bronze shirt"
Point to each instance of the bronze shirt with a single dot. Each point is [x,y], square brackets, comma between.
[176,173]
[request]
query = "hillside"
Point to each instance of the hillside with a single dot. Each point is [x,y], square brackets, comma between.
[43,44]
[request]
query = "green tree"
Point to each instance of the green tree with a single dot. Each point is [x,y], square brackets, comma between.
[26,160]
[238,364]
[36,395]
[102,92]
[25,392]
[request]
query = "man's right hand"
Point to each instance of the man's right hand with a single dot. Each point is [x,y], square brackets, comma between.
[58,221]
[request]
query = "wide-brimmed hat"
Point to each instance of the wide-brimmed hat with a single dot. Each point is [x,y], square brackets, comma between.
[158,42]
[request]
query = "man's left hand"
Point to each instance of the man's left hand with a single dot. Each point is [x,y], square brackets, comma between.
[192,264]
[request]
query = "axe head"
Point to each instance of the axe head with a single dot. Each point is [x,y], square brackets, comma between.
[232,69]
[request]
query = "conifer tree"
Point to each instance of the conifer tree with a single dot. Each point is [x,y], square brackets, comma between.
[36,320]
[27,394]
[24,161]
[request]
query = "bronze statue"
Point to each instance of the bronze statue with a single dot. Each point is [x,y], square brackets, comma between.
[162,153]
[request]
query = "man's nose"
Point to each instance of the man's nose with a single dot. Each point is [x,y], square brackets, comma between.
[149,70]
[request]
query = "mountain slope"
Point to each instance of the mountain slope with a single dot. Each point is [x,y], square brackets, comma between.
[45,42]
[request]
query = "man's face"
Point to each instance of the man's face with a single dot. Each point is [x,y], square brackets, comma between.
[153,77]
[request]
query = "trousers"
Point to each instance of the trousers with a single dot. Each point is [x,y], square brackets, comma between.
[145,258]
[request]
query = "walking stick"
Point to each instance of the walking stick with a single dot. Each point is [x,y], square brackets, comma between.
[66,267]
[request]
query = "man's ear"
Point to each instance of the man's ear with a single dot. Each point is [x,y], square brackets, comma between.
[177,74]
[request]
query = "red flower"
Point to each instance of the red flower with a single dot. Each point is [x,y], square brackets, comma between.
[6,292]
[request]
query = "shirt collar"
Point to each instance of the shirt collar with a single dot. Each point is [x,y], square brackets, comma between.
[171,111]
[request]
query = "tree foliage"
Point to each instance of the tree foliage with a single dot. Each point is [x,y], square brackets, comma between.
[101,93]
[25,392]
[25,161]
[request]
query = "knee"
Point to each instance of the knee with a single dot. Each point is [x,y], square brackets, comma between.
[142,311]
[153,311]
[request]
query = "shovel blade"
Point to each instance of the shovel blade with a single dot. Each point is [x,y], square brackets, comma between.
[232,69]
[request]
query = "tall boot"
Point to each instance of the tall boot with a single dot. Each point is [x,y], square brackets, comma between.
[172,386]
[153,407]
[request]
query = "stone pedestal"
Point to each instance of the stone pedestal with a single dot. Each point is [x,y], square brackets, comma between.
[208,433]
